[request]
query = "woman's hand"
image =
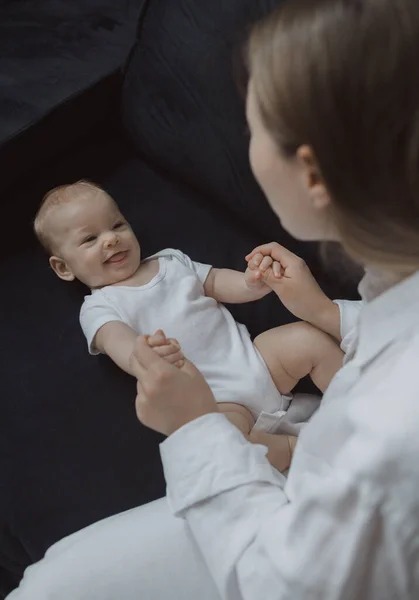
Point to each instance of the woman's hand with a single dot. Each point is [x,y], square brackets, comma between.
[258,269]
[292,281]
[169,349]
[168,397]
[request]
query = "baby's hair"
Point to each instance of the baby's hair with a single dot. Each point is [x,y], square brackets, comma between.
[342,77]
[57,197]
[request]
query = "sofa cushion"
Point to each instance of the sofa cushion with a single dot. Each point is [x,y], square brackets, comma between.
[51,50]
[182,104]
[57,59]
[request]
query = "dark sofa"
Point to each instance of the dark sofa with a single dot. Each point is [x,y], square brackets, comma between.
[141,96]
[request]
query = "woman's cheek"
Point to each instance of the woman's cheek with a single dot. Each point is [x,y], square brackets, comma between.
[252,157]
[258,164]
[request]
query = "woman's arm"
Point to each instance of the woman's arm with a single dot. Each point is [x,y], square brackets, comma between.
[326,535]
[325,542]
[349,311]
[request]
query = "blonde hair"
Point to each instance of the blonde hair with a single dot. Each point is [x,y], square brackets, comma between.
[342,77]
[58,196]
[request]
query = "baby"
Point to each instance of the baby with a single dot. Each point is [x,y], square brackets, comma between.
[88,239]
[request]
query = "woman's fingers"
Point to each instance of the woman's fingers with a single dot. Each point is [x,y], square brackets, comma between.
[277,269]
[259,265]
[145,358]
[174,357]
[276,251]
[174,342]
[158,339]
[167,350]
[148,365]
[254,264]
[265,264]
[144,364]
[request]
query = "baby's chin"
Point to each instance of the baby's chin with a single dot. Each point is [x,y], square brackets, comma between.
[112,278]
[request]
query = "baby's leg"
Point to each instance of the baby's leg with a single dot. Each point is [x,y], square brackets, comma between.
[239,415]
[280,447]
[293,351]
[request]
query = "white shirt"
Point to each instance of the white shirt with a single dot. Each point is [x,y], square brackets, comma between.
[175,301]
[345,524]
[349,315]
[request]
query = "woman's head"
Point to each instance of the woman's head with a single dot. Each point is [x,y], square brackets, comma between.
[333,108]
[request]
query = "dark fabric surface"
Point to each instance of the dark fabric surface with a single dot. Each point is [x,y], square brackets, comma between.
[51,50]
[71,448]
[182,101]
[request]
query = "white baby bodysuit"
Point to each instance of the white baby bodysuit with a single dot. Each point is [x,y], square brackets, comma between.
[174,300]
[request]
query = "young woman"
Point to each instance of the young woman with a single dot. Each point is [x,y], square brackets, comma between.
[333,109]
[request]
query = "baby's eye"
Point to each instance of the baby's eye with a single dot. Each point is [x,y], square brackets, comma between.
[118,225]
[89,239]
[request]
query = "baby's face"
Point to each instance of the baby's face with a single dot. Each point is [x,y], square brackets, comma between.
[94,242]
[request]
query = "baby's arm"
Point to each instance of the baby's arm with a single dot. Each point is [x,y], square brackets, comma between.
[117,339]
[232,287]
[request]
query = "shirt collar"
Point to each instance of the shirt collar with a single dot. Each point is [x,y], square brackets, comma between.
[391,309]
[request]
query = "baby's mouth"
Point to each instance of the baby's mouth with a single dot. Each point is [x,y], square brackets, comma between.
[118,257]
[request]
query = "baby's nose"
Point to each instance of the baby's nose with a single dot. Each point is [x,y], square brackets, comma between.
[111,239]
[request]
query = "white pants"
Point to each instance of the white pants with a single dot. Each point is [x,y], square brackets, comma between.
[145,553]
[142,554]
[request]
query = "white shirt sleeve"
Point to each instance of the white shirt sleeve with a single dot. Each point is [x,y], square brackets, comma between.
[200,269]
[259,543]
[95,312]
[349,314]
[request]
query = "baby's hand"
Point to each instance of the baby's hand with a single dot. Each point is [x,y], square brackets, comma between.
[169,349]
[261,270]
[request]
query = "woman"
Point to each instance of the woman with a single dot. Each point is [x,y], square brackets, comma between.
[333,110]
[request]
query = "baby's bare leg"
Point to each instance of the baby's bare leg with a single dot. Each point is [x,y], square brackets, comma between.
[293,351]
[237,414]
[280,447]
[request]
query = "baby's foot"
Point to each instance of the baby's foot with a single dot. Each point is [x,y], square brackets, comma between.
[167,348]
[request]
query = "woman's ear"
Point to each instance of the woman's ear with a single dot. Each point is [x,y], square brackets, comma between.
[59,266]
[316,186]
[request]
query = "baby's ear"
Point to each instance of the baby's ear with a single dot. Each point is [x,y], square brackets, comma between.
[59,266]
